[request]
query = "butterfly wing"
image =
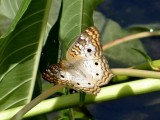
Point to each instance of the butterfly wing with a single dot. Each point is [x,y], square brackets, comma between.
[86,46]
[55,73]
[86,56]
[69,77]
[96,70]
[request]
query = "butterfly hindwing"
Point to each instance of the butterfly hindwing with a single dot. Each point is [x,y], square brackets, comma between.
[69,77]
[96,70]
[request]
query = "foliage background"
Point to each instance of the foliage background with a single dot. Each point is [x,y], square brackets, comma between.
[118,21]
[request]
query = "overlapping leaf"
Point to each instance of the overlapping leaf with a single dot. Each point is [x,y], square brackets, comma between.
[76,16]
[19,55]
[121,55]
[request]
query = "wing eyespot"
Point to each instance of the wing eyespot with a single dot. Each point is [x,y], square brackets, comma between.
[89,50]
[62,76]
[97,74]
[78,84]
[96,63]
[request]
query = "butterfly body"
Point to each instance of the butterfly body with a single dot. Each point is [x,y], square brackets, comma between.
[85,68]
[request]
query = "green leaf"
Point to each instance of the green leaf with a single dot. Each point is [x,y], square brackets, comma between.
[51,44]
[76,17]
[54,12]
[75,113]
[53,15]
[81,113]
[9,8]
[20,53]
[148,59]
[82,96]
[19,14]
[121,55]
[8,11]
[145,27]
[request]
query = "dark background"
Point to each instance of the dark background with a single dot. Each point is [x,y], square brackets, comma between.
[135,12]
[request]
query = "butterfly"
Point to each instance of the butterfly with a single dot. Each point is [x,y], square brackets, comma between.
[85,68]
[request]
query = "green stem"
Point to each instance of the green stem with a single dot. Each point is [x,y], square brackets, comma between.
[35,101]
[130,38]
[136,73]
[107,93]
[126,71]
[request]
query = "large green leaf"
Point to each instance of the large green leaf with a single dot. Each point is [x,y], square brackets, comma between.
[76,17]
[9,8]
[53,15]
[20,53]
[19,14]
[121,55]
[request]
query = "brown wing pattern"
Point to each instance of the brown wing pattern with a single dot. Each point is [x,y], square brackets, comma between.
[86,46]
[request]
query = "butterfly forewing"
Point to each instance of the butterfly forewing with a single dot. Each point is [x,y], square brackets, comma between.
[86,46]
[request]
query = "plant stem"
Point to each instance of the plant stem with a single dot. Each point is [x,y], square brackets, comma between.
[35,101]
[130,38]
[107,93]
[49,92]
[136,73]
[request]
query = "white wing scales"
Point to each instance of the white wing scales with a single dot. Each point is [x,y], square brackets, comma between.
[70,77]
